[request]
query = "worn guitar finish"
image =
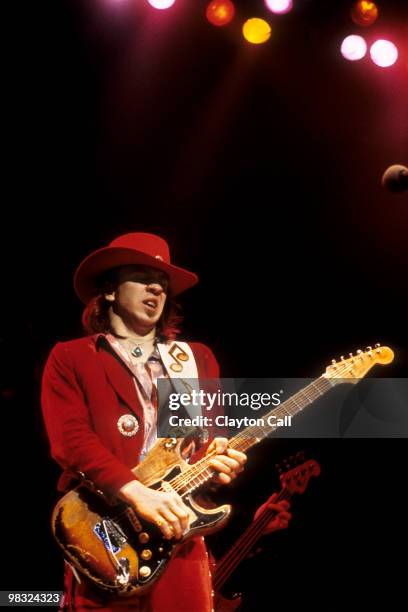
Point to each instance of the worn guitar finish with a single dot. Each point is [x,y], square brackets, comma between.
[110,544]
[105,539]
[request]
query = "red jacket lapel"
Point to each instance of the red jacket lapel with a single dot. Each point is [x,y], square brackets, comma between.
[119,376]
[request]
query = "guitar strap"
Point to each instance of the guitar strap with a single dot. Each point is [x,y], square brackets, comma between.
[180,364]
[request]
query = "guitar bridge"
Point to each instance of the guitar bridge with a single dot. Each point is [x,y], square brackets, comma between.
[122,578]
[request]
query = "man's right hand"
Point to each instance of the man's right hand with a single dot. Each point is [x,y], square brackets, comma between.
[166,510]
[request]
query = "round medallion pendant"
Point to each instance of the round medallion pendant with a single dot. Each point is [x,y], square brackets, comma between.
[137,351]
[128,425]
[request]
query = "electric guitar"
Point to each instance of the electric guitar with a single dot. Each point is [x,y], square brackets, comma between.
[293,481]
[123,554]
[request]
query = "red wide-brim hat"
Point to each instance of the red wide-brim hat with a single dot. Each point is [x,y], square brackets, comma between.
[130,249]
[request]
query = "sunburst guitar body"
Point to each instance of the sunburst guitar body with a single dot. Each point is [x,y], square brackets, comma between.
[117,550]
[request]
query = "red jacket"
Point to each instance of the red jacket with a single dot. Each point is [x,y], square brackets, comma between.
[86,388]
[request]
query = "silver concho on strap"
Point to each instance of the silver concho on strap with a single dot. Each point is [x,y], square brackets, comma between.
[128,425]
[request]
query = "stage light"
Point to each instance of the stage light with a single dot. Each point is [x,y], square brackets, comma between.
[161,4]
[279,6]
[353,47]
[384,53]
[256,30]
[220,12]
[364,13]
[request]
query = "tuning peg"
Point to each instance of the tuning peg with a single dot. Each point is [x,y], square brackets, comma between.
[369,348]
[342,358]
[377,345]
[333,362]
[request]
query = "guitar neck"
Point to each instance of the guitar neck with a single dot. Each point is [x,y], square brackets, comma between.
[291,407]
[238,551]
[201,472]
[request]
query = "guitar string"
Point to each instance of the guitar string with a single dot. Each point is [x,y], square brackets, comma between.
[229,562]
[181,480]
[266,515]
[243,545]
[197,469]
[238,441]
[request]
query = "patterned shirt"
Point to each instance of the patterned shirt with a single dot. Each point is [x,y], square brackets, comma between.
[145,377]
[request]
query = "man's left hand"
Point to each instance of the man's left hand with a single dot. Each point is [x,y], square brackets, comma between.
[227,462]
[281,518]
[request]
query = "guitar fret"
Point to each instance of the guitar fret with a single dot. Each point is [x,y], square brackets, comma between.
[305,395]
[317,389]
[200,472]
[293,400]
[283,408]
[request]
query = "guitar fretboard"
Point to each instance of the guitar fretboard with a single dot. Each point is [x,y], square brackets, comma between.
[199,473]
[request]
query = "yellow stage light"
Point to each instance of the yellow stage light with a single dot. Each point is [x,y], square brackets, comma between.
[256,31]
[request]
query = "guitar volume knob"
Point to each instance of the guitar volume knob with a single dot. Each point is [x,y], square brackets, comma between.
[145,571]
[143,537]
[146,554]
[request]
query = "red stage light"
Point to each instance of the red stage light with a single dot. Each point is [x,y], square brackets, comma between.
[364,13]
[220,12]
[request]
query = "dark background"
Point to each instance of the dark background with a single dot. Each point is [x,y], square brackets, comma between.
[261,166]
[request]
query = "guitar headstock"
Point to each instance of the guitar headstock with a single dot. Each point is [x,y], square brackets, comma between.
[296,479]
[356,366]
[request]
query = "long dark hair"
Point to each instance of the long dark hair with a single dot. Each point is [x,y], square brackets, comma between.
[95,317]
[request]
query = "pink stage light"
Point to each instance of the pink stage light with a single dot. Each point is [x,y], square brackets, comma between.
[353,47]
[384,53]
[161,4]
[279,6]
